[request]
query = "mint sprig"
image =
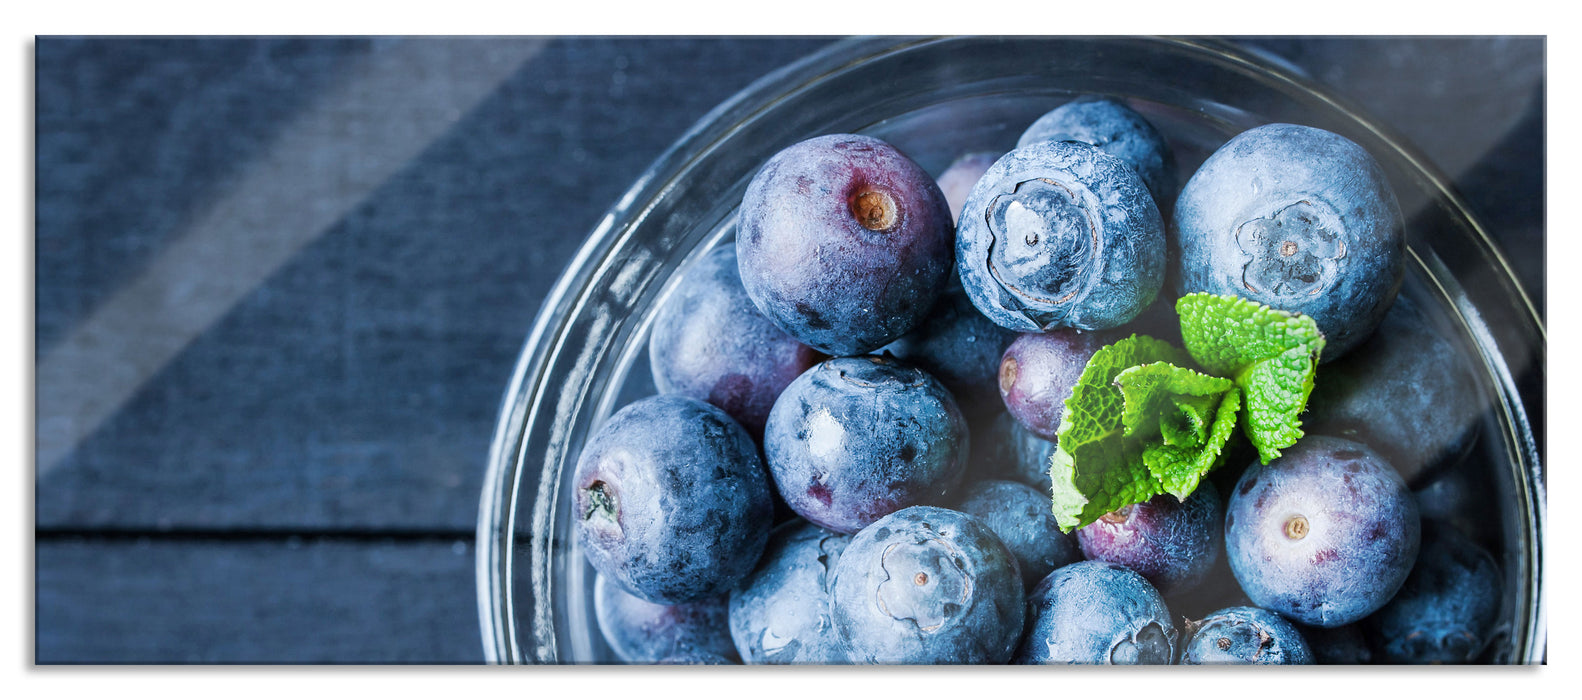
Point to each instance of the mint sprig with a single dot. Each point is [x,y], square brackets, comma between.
[1148,418]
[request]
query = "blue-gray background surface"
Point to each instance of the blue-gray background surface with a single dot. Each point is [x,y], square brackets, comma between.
[295,477]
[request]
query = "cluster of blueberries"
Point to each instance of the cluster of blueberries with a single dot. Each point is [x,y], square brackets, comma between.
[848,460]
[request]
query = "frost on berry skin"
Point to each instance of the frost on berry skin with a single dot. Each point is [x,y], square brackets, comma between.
[1060,234]
[1323,535]
[1038,371]
[959,347]
[1407,390]
[1094,612]
[957,180]
[1019,515]
[927,585]
[1447,610]
[844,242]
[710,343]
[1171,543]
[856,438]
[1297,218]
[641,632]
[1245,635]
[780,613]
[672,500]
[1119,131]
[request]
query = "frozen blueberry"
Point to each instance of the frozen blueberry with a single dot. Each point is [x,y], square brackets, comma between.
[957,180]
[959,347]
[927,585]
[1117,129]
[1245,636]
[1343,645]
[1297,218]
[1009,450]
[1093,612]
[780,613]
[642,632]
[1406,390]
[1021,517]
[844,242]
[1060,234]
[710,343]
[1447,610]
[1038,372]
[857,438]
[1171,543]
[1325,534]
[672,501]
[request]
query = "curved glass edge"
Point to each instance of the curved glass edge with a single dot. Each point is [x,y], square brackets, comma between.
[499,502]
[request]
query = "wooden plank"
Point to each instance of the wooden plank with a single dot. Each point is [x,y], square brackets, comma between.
[255,601]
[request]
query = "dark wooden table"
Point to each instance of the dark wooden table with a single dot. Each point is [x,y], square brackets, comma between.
[281,286]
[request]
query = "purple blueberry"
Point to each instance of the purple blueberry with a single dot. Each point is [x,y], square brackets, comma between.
[1297,218]
[1406,389]
[641,632]
[1060,234]
[1447,610]
[780,613]
[844,242]
[1038,372]
[1171,543]
[710,343]
[1093,612]
[1009,450]
[857,438]
[927,585]
[1245,635]
[960,348]
[1324,535]
[964,172]
[1117,129]
[671,500]
[1021,517]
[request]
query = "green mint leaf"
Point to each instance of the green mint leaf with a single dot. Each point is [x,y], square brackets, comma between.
[1180,416]
[1096,468]
[1271,355]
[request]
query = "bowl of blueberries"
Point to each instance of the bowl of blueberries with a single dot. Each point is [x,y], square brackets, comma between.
[984,350]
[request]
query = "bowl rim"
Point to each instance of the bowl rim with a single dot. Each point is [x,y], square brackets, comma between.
[496,537]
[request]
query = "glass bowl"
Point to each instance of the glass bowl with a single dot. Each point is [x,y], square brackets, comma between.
[936,99]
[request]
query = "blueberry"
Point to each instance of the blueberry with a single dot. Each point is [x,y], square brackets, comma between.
[780,613]
[1093,612]
[844,242]
[1245,635]
[1343,645]
[671,500]
[710,343]
[857,438]
[959,347]
[1406,390]
[694,658]
[1171,543]
[1447,610]
[1297,218]
[1117,129]
[1010,451]
[1325,534]
[927,585]
[1038,372]
[1021,517]
[964,172]
[1060,234]
[643,632]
